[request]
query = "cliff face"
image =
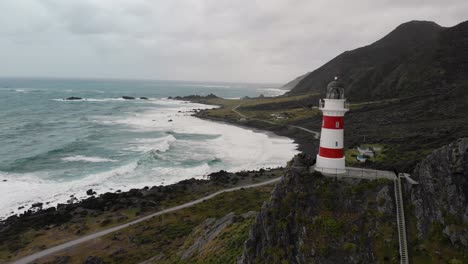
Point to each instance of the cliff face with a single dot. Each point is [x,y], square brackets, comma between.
[314,219]
[440,199]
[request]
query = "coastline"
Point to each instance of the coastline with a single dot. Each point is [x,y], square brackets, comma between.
[307,144]
[186,115]
[95,213]
[116,207]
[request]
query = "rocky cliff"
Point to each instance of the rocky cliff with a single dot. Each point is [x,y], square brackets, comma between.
[440,201]
[314,219]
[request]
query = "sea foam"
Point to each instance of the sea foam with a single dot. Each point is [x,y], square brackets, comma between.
[87,159]
[164,159]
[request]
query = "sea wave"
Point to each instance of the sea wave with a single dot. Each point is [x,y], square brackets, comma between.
[161,144]
[206,85]
[186,147]
[101,100]
[273,91]
[87,159]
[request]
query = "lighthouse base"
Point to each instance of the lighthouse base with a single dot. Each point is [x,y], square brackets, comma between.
[330,166]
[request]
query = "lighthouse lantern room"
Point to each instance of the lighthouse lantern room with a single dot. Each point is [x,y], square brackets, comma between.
[331,158]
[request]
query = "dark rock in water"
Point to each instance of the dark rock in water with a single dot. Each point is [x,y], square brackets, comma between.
[4,180]
[170,120]
[94,260]
[21,207]
[144,98]
[194,97]
[128,97]
[72,200]
[73,98]
[90,192]
[36,205]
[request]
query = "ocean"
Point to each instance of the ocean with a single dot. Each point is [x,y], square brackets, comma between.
[53,150]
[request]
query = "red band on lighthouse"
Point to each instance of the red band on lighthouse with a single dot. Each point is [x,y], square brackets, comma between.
[331,153]
[333,122]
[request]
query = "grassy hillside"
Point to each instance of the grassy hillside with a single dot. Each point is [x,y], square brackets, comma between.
[165,239]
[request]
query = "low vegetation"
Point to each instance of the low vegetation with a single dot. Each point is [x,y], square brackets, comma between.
[32,232]
[164,239]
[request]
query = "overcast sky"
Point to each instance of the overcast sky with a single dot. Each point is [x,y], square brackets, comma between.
[217,40]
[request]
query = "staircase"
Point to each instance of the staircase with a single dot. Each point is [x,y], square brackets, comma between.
[401,222]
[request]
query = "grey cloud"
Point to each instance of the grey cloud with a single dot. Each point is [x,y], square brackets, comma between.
[225,40]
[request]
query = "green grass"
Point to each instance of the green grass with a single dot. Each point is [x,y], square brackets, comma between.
[226,106]
[168,235]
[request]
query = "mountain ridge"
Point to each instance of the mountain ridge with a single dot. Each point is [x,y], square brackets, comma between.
[414,59]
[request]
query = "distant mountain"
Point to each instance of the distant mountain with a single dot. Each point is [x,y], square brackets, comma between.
[294,82]
[418,58]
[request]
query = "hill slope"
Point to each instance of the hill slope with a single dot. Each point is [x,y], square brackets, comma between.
[417,58]
[315,219]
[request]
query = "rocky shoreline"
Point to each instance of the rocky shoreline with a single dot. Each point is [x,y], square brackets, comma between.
[113,208]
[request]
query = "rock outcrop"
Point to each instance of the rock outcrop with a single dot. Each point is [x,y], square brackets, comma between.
[315,219]
[209,230]
[440,199]
[73,98]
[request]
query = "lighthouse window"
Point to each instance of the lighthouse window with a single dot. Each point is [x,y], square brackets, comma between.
[336,144]
[337,124]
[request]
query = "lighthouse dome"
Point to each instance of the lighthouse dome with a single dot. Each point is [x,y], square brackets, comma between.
[335,90]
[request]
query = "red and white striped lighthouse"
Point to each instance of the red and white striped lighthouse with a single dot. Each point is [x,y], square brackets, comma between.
[331,158]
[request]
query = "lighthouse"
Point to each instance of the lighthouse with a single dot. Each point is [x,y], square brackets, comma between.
[331,158]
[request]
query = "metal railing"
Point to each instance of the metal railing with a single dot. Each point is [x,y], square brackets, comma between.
[361,173]
[401,222]
[321,104]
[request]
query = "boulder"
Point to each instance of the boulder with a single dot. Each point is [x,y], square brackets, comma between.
[90,192]
[37,205]
[128,97]
[144,98]
[73,98]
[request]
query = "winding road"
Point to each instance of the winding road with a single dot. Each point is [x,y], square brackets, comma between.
[316,134]
[72,243]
